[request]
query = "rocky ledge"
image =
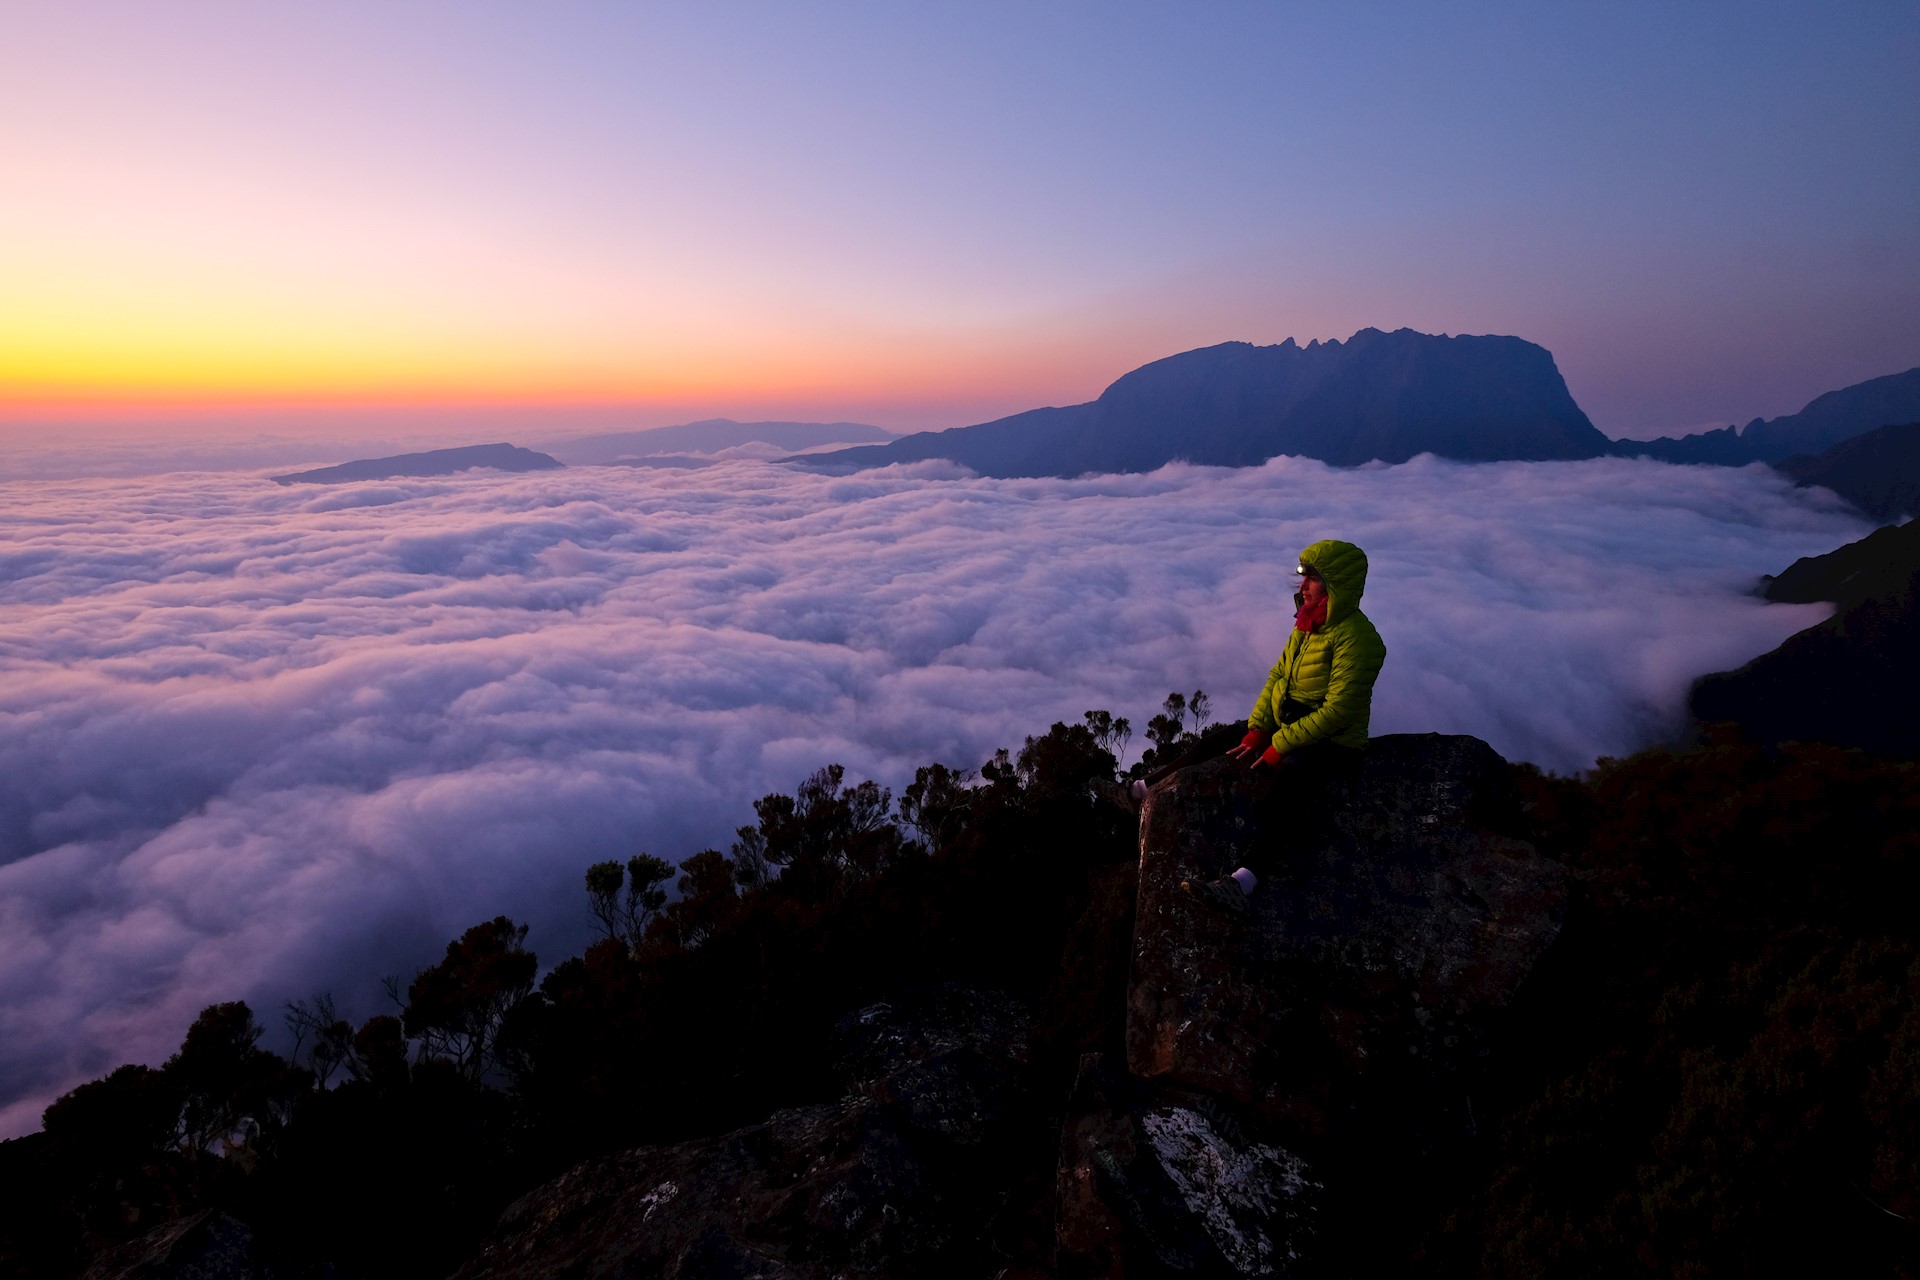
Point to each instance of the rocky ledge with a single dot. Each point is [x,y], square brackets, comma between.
[1280,1068]
[1277,1062]
[893,1179]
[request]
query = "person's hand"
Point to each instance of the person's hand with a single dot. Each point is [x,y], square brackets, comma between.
[1270,758]
[1252,744]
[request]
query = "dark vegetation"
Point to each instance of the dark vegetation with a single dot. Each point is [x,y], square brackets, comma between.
[1711,1073]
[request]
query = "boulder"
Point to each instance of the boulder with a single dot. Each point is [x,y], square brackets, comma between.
[895,1179]
[1394,919]
[208,1245]
[1153,1182]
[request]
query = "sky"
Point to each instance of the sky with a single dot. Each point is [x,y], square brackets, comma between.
[403,220]
[260,742]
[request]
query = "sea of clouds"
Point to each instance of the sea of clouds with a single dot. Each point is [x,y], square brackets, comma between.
[261,742]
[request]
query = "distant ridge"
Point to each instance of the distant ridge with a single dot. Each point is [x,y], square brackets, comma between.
[708,436]
[1385,396]
[1826,421]
[1848,680]
[434,462]
[1879,472]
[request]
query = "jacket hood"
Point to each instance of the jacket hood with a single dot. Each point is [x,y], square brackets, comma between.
[1343,567]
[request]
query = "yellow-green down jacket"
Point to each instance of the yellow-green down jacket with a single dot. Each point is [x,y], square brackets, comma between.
[1331,669]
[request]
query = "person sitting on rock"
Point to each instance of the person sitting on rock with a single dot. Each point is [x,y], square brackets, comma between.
[1309,724]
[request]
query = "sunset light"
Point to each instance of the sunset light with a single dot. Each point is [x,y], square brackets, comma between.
[1088,640]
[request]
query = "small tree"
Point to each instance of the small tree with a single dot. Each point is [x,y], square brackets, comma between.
[1110,731]
[229,1088]
[1163,731]
[823,832]
[122,1120]
[707,897]
[937,804]
[319,1029]
[455,1008]
[626,917]
[380,1053]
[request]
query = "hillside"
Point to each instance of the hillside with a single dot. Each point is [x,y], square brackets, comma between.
[1385,396]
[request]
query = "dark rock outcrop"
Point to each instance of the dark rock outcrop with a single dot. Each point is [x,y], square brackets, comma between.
[895,1179]
[1155,1182]
[433,462]
[1400,919]
[1267,1056]
[208,1245]
[1385,396]
[1826,421]
[1878,472]
[1848,680]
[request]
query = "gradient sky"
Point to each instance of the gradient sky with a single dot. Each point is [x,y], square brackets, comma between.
[926,215]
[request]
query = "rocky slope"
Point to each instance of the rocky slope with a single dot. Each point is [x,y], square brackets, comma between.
[1267,1063]
[1385,396]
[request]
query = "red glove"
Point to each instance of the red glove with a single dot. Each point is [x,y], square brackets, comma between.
[1271,756]
[1254,740]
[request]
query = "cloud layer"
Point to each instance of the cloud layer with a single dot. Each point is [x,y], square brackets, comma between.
[258,742]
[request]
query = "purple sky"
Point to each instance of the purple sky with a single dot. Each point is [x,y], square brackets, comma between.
[929,215]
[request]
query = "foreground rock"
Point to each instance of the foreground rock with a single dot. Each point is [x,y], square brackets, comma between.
[1285,1066]
[1152,1182]
[896,1179]
[208,1245]
[1398,918]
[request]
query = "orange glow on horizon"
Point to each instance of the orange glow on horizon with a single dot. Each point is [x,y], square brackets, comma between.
[47,380]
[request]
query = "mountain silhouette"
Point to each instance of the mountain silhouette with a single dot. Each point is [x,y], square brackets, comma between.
[707,436]
[1879,472]
[1385,396]
[1826,421]
[1848,680]
[433,462]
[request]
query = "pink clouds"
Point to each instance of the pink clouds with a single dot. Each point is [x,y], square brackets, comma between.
[257,742]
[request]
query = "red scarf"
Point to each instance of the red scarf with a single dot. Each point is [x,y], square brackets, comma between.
[1311,616]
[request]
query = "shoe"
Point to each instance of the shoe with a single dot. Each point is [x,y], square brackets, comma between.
[1224,894]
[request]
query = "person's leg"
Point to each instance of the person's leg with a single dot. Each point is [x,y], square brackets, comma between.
[1289,806]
